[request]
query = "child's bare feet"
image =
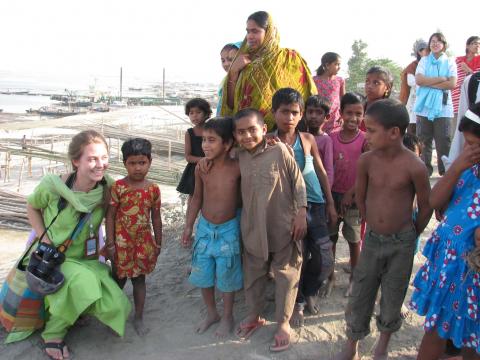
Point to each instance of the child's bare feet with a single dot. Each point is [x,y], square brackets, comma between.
[327,288]
[224,328]
[349,351]
[404,312]
[297,319]
[207,322]
[349,289]
[140,327]
[282,338]
[312,306]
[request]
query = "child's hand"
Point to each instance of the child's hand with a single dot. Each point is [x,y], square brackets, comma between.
[299,226]
[187,238]
[347,202]
[110,252]
[332,214]
[205,165]
[467,158]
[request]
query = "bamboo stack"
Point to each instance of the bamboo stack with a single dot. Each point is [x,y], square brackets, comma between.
[13,210]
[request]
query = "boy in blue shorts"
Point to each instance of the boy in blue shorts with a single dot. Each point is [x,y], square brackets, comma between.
[216,249]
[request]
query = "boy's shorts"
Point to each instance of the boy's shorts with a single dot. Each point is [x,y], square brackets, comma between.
[216,256]
[351,229]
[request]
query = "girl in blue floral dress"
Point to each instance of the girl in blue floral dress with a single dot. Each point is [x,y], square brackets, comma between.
[447,290]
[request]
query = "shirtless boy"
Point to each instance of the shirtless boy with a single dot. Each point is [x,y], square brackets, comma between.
[216,250]
[388,178]
[273,224]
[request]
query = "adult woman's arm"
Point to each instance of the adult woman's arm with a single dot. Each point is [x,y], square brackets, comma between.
[423,80]
[449,84]
[443,189]
[36,220]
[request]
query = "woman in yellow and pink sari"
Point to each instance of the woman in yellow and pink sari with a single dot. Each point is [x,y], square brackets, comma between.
[261,67]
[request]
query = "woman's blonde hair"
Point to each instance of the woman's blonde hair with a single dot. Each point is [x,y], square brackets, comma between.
[82,139]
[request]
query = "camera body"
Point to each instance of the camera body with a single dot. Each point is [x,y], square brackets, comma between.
[43,271]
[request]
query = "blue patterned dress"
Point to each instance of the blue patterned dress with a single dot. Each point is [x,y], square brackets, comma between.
[446,290]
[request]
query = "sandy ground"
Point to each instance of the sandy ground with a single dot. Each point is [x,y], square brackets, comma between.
[173,308]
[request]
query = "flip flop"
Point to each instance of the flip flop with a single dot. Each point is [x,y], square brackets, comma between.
[53,345]
[245,330]
[279,344]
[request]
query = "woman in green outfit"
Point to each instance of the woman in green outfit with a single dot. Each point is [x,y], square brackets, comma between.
[88,288]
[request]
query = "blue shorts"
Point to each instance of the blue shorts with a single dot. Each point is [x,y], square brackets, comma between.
[216,256]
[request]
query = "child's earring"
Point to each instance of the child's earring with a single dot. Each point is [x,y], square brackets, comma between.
[386,94]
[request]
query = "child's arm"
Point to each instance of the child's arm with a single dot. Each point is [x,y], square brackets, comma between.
[421,183]
[328,163]
[157,222]
[323,178]
[299,225]
[188,150]
[448,84]
[193,209]
[423,80]
[443,189]
[361,183]
[110,229]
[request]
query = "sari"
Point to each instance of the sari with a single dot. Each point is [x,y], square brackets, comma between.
[271,69]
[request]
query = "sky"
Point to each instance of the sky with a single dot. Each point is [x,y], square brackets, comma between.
[89,39]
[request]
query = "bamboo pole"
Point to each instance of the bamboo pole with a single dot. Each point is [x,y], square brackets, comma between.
[20,176]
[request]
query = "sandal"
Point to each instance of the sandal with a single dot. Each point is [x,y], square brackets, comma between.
[57,346]
[281,343]
[245,330]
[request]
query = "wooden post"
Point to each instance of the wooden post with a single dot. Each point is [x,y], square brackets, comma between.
[118,147]
[169,154]
[7,167]
[29,159]
[20,176]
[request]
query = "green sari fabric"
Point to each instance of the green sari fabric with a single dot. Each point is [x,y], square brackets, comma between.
[88,288]
[271,69]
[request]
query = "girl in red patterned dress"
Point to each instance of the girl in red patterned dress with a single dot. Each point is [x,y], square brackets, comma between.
[331,87]
[134,208]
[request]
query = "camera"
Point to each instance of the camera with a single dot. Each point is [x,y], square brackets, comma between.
[43,271]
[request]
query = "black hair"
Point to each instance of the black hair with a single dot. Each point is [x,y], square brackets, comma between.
[386,76]
[200,103]
[247,112]
[351,98]
[229,47]
[410,141]
[390,113]
[287,96]
[136,146]
[327,59]
[470,40]
[222,126]
[318,101]
[468,125]
[260,18]
[440,38]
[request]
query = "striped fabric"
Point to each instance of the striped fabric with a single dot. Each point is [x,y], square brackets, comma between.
[474,65]
[20,309]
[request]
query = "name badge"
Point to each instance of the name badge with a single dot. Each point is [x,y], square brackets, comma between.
[91,247]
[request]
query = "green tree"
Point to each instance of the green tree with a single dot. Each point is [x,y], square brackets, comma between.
[359,64]
[356,65]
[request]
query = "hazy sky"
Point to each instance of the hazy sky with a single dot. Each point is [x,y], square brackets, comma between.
[93,38]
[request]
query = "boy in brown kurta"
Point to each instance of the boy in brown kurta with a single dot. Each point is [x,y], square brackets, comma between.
[273,223]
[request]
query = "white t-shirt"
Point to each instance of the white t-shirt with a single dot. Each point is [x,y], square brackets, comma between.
[447,110]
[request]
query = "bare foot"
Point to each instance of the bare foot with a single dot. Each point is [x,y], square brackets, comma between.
[282,338]
[140,327]
[349,289]
[207,322]
[56,349]
[297,319]
[224,328]
[327,288]
[404,312]
[312,305]
[346,354]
